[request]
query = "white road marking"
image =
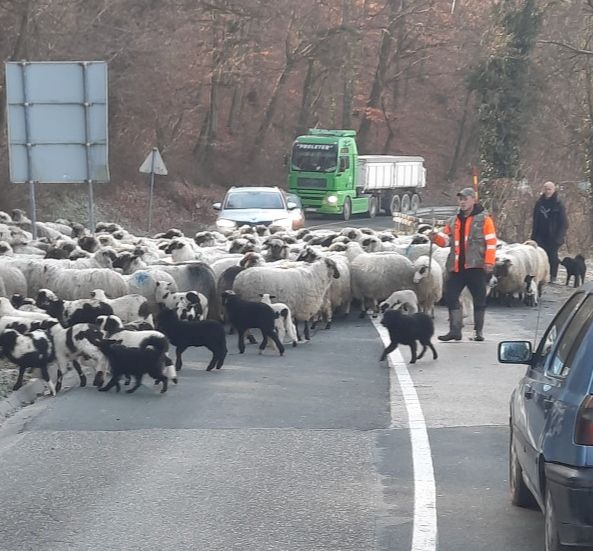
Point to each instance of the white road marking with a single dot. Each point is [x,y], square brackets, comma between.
[424,537]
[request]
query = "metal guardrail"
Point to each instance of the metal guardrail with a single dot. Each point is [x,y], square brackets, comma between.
[435,216]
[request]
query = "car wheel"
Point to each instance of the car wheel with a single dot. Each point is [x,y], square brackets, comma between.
[415,204]
[347,210]
[552,538]
[521,496]
[373,207]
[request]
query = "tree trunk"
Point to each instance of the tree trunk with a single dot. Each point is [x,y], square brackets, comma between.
[303,119]
[451,173]
[270,110]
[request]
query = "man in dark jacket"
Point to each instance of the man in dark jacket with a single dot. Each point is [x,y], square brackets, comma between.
[550,225]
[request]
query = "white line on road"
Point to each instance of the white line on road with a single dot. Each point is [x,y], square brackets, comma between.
[424,537]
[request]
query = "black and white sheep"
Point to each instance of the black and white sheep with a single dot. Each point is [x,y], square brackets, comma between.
[71,312]
[128,308]
[185,334]
[245,314]
[284,324]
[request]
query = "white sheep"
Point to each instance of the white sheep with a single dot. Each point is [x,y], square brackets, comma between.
[128,308]
[405,300]
[428,283]
[7,309]
[301,286]
[376,275]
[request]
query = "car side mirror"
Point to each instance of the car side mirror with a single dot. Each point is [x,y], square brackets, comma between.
[515,352]
[342,166]
[291,206]
[217,206]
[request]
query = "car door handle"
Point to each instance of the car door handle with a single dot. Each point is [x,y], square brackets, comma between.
[528,392]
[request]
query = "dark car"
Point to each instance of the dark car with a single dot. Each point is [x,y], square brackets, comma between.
[551,422]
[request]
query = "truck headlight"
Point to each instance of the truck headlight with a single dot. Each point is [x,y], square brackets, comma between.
[332,200]
[226,224]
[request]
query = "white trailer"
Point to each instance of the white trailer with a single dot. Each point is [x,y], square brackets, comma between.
[395,180]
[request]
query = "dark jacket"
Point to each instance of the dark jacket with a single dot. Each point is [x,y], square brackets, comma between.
[549,221]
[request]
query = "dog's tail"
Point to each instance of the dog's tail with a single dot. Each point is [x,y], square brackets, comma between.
[156,343]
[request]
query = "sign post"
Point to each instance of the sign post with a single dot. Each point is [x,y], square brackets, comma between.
[153,164]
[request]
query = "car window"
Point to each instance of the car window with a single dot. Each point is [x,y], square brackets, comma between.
[548,342]
[254,200]
[559,364]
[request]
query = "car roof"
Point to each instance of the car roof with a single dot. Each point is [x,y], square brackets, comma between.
[255,188]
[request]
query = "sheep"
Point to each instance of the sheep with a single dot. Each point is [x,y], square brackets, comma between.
[150,358]
[245,314]
[72,284]
[376,275]
[144,283]
[7,309]
[24,304]
[180,251]
[283,323]
[195,276]
[71,312]
[428,283]
[531,295]
[32,350]
[74,345]
[128,308]
[192,306]
[407,329]
[301,286]
[276,250]
[339,295]
[166,294]
[14,280]
[405,300]
[184,334]
[130,261]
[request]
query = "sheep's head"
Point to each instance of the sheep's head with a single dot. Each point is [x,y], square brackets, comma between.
[371,244]
[44,298]
[421,273]
[332,268]
[309,255]
[109,324]
[251,259]
[502,267]
[228,296]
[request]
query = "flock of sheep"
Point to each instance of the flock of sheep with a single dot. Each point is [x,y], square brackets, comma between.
[71,298]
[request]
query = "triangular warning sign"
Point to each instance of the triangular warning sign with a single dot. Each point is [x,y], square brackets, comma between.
[154,163]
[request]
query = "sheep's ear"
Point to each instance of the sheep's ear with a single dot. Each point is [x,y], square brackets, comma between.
[262,295]
[192,297]
[272,296]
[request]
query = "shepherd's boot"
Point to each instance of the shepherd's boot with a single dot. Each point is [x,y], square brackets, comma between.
[455,322]
[479,324]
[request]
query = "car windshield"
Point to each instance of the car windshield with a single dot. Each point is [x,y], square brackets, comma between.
[254,200]
[307,157]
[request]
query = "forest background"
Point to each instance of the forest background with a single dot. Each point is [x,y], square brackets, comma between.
[222,88]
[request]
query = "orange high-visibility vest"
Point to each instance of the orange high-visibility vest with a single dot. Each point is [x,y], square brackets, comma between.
[480,241]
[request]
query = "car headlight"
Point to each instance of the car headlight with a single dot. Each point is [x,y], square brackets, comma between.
[332,200]
[226,224]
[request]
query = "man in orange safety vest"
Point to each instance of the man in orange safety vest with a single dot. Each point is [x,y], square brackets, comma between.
[472,238]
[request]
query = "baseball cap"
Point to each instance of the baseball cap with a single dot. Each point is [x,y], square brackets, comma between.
[467,192]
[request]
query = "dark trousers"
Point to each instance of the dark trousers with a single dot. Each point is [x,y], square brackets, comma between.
[552,252]
[474,279]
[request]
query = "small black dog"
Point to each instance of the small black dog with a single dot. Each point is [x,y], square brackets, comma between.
[407,329]
[575,267]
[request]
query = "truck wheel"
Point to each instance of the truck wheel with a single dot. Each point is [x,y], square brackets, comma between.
[347,210]
[373,207]
[405,203]
[415,204]
[395,205]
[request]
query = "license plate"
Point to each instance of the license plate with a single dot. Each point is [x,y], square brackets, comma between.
[310,209]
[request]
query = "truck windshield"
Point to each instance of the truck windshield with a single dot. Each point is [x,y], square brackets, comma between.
[254,200]
[313,157]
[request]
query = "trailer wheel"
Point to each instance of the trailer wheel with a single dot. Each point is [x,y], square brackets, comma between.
[405,203]
[373,207]
[395,205]
[415,204]
[347,210]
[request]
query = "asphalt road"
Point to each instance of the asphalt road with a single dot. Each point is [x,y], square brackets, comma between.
[311,451]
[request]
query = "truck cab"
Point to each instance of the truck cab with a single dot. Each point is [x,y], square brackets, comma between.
[330,177]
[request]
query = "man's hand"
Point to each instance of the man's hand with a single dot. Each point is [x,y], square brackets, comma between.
[489,268]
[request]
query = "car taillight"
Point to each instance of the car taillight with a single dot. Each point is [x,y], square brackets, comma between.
[584,425]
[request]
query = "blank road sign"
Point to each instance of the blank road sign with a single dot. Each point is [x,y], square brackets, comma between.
[57,121]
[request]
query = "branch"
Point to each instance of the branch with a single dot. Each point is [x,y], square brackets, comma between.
[566,47]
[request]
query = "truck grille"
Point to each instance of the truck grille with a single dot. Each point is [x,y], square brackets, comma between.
[311,183]
[311,197]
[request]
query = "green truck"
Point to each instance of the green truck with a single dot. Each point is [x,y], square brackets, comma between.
[329,176]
